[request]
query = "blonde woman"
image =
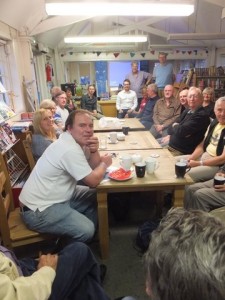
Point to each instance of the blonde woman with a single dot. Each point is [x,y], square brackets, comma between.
[208,101]
[50,104]
[44,132]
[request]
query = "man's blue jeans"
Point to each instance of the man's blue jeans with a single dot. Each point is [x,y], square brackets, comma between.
[77,274]
[76,218]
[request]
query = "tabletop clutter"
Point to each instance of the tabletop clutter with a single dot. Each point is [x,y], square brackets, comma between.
[135,162]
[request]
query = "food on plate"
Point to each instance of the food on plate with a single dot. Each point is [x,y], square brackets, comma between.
[120,174]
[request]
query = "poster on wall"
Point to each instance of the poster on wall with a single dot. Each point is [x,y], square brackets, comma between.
[101,74]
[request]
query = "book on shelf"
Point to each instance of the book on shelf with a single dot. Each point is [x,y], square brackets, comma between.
[7,137]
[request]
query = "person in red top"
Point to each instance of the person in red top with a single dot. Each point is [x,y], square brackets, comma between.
[136,114]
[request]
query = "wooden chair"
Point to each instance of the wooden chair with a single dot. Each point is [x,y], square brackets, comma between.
[28,150]
[13,231]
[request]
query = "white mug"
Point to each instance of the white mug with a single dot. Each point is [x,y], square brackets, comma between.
[136,158]
[113,137]
[126,162]
[151,165]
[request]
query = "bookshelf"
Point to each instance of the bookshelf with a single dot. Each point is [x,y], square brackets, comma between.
[210,77]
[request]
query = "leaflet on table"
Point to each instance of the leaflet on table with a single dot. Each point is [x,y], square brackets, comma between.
[20,125]
[5,112]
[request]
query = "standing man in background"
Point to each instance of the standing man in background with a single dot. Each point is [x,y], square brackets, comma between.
[163,73]
[138,79]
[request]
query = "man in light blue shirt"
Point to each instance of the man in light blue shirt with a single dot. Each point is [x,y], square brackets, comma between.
[163,73]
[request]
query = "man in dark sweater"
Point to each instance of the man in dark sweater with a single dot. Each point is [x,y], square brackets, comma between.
[147,113]
[189,130]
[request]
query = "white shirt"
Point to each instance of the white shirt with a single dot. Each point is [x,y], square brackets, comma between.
[63,113]
[55,175]
[126,100]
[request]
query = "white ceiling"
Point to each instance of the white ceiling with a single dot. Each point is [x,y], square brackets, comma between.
[30,18]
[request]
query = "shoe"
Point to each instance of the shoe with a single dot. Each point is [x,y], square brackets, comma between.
[103,270]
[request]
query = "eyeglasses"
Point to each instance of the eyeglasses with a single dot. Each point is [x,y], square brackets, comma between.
[193,96]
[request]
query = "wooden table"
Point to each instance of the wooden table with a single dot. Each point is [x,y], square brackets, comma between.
[163,179]
[133,123]
[133,141]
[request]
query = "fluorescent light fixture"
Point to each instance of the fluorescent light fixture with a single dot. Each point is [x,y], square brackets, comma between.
[196,36]
[106,39]
[115,8]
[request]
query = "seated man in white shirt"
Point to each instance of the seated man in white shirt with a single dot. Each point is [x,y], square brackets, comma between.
[126,101]
[61,112]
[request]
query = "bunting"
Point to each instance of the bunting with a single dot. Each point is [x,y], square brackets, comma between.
[143,54]
[116,54]
[132,54]
[152,52]
[98,53]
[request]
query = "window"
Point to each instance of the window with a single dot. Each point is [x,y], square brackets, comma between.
[4,74]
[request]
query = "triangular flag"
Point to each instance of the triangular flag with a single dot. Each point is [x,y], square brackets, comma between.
[183,52]
[98,53]
[132,54]
[85,52]
[143,54]
[189,52]
[116,54]
[152,52]
[177,51]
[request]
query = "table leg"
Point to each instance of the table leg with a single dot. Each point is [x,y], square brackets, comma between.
[159,203]
[103,223]
[179,197]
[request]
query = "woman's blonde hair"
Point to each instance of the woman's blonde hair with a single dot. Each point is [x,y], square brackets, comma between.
[210,91]
[47,104]
[38,117]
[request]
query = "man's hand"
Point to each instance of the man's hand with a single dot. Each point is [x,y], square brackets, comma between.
[93,144]
[165,139]
[159,128]
[48,260]
[219,188]
[107,159]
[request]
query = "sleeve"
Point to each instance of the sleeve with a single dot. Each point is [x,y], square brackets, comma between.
[135,102]
[34,287]
[155,113]
[95,104]
[118,102]
[192,127]
[82,103]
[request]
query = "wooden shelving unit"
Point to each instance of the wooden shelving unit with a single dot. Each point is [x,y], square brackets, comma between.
[210,77]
